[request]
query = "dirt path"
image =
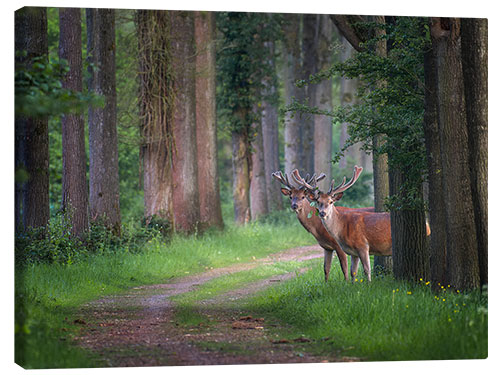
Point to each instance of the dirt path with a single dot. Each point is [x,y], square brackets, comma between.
[138,328]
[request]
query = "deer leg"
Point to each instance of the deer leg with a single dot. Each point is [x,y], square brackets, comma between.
[343,264]
[365,261]
[327,264]
[354,267]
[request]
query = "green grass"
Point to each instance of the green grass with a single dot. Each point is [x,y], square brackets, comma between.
[237,280]
[382,320]
[46,294]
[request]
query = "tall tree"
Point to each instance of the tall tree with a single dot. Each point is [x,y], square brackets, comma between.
[242,64]
[474,43]
[258,189]
[270,136]
[462,264]
[206,125]
[323,101]
[104,194]
[309,40]
[184,156]
[74,181]
[156,112]
[291,67]
[380,160]
[31,133]
[437,211]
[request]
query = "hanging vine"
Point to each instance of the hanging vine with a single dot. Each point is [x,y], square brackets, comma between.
[156,85]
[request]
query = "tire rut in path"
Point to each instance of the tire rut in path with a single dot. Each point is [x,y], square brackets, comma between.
[137,328]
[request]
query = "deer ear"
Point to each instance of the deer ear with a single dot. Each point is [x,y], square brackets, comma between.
[310,196]
[285,191]
[337,196]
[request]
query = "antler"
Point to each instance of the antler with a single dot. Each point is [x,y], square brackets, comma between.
[308,183]
[343,186]
[283,179]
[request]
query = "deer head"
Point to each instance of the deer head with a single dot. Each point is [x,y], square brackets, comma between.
[325,201]
[297,195]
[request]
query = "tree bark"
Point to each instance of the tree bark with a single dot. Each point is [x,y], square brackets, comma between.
[309,65]
[344,25]
[104,193]
[410,254]
[270,140]
[206,124]
[474,35]
[462,264]
[291,70]
[437,215]
[241,179]
[323,100]
[155,111]
[74,180]
[184,173]
[31,134]
[258,199]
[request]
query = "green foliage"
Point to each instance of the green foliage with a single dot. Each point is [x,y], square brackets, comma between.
[242,65]
[391,104]
[39,90]
[382,320]
[56,244]
[129,137]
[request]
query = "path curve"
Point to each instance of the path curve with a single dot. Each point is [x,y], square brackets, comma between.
[137,328]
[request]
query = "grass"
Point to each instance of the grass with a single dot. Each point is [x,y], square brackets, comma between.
[385,320]
[46,295]
[237,280]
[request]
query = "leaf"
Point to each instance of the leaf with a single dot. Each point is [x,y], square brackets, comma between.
[309,215]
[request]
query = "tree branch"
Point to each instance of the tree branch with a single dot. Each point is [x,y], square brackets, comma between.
[345,27]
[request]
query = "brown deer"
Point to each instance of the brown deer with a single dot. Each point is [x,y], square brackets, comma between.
[308,217]
[359,234]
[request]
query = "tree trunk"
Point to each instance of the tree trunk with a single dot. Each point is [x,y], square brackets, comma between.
[437,216]
[323,100]
[291,70]
[258,199]
[380,162]
[32,134]
[462,265]
[185,173]
[410,254]
[270,139]
[474,34]
[310,39]
[206,124]
[74,181]
[155,111]
[241,177]
[104,196]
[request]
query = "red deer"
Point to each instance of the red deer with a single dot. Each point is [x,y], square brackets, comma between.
[308,217]
[359,234]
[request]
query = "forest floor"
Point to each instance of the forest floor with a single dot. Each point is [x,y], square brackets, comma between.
[146,327]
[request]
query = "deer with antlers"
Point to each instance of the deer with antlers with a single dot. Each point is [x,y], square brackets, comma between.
[308,216]
[359,234]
